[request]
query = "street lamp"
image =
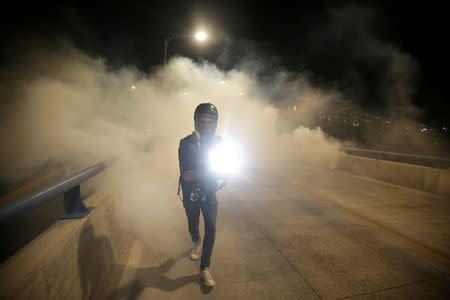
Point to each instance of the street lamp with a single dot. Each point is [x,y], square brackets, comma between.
[199,36]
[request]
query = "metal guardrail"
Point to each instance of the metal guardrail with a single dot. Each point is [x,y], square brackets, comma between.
[383,154]
[70,186]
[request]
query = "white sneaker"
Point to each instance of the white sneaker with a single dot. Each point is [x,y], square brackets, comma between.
[207,277]
[195,251]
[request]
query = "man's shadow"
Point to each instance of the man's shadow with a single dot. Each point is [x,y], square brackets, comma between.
[154,277]
[96,264]
[99,272]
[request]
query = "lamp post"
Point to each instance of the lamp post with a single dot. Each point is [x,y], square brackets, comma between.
[199,36]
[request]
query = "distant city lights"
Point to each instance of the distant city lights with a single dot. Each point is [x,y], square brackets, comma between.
[349,122]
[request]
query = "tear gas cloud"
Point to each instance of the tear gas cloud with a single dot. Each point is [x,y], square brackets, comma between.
[60,104]
[66,106]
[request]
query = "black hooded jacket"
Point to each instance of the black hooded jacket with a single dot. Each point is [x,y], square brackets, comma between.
[193,155]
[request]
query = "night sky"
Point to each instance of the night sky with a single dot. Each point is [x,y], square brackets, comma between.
[339,44]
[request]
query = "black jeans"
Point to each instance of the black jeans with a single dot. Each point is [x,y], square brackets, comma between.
[209,212]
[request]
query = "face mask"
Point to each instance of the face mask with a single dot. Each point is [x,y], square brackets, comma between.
[206,130]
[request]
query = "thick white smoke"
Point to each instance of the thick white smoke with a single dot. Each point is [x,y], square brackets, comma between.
[66,106]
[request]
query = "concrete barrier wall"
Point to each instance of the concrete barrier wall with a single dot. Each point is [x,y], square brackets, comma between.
[443,185]
[418,177]
[73,259]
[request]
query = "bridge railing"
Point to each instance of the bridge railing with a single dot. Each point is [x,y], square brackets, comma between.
[70,186]
[426,160]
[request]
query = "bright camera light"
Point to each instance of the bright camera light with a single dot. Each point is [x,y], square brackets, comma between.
[225,158]
[201,36]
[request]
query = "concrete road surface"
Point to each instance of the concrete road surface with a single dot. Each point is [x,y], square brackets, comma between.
[319,235]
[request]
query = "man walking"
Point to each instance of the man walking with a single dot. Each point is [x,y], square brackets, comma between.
[199,185]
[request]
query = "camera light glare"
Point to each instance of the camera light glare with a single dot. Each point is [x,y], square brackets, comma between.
[225,158]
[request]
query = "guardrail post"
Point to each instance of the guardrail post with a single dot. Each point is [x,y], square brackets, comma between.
[75,209]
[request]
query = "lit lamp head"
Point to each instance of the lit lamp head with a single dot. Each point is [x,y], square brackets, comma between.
[201,36]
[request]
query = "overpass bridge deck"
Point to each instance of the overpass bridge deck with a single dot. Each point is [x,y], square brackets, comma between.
[321,235]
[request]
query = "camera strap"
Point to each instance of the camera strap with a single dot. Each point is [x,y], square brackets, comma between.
[179,188]
[224,183]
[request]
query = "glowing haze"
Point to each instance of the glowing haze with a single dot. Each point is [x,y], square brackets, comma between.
[66,106]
